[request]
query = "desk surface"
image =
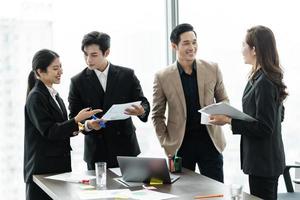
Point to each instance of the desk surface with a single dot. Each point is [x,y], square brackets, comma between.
[189,185]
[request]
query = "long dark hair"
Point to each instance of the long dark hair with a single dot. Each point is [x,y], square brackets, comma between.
[263,40]
[41,60]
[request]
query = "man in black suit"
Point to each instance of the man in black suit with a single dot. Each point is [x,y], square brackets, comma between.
[101,85]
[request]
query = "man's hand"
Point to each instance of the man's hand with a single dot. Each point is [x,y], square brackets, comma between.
[95,123]
[136,110]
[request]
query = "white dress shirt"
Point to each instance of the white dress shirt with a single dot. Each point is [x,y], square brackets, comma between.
[53,93]
[102,76]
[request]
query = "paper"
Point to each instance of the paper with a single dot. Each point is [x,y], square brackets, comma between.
[143,194]
[104,194]
[71,177]
[205,119]
[225,109]
[116,111]
[87,187]
[116,171]
[150,195]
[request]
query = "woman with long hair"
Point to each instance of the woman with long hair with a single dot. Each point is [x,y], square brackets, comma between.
[47,128]
[262,152]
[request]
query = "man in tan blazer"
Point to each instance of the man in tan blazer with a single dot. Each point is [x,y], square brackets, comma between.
[183,88]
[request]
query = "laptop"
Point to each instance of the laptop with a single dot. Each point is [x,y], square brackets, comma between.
[138,169]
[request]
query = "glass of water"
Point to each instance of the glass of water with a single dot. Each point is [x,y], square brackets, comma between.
[236,191]
[100,168]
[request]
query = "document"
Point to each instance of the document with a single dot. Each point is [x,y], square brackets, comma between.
[205,119]
[116,111]
[116,171]
[71,177]
[103,194]
[222,108]
[124,194]
[150,195]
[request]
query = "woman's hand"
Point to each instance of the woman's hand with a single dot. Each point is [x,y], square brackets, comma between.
[86,113]
[219,120]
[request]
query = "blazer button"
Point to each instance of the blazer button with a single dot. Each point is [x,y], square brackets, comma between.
[118,133]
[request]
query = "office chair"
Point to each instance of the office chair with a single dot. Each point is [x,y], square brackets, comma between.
[291,194]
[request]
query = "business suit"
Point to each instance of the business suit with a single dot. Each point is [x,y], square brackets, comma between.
[118,138]
[182,133]
[47,137]
[262,152]
[168,90]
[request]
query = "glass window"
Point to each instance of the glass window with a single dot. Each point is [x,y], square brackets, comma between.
[138,33]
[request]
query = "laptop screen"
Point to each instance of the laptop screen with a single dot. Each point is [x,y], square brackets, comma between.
[138,169]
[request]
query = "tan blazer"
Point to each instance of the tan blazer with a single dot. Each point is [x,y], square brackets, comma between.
[168,90]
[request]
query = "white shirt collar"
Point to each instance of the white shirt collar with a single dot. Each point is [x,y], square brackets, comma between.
[102,76]
[105,72]
[52,91]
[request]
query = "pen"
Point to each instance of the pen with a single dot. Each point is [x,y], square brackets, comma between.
[209,196]
[101,123]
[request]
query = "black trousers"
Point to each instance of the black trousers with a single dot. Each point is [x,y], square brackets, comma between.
[203,152]
[34,192]
[264,187]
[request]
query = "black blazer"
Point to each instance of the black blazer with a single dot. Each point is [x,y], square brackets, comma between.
[262,152]
[47,134]
[118,138]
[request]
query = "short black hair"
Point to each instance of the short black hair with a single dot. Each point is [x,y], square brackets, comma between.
[178,30]
[98,38]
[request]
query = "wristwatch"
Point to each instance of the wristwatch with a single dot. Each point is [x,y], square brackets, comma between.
[80,127]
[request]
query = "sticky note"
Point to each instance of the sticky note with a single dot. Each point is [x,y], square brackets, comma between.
[156,181]
[87,187]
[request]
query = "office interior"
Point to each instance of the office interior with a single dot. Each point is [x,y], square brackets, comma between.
[140,40]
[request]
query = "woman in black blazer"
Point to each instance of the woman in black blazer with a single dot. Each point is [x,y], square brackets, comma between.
[262,152]
[47,128]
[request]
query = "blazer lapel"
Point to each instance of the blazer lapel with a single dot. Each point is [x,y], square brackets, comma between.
[54,104]
[44,89]
[62,107]
[178,85]
[200,81]
[247,88]
[94,82]
[110,85]
[251,83]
